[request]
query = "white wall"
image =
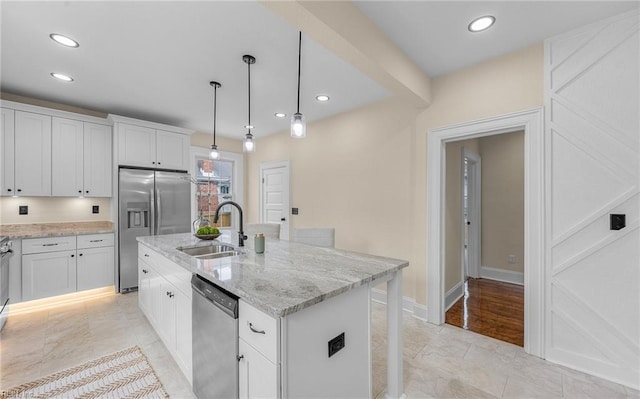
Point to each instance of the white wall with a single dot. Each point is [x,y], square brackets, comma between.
[592,129]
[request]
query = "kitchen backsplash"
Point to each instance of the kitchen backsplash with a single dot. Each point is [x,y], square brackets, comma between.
[50,210]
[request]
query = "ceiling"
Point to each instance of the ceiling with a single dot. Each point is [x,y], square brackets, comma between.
[154,60]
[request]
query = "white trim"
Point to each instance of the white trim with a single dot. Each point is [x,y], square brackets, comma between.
[274,165]
[507,276]
[54,112]
[452,296]
[531,121]
[409,305]
[138,122]
[474,249]
[238,176]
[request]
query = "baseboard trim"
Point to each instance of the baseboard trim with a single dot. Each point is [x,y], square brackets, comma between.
[452,296]
[506,276]
[409,305]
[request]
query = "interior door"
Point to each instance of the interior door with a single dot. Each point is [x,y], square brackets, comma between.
[275,196]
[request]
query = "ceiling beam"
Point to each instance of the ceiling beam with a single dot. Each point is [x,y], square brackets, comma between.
[343,29]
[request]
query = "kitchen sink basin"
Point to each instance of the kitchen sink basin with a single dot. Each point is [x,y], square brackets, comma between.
[210,251]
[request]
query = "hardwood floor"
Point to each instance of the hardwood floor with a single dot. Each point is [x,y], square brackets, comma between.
[490,308]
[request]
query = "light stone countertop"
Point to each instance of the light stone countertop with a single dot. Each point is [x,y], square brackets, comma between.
[32,230]
[287,278]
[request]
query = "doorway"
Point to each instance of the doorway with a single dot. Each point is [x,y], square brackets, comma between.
[274,195]
[531,123]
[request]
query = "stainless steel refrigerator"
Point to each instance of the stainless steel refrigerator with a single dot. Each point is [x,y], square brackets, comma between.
[151,202]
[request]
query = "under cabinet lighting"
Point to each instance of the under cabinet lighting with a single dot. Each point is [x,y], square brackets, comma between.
[482,23]
[62,76]
[64,40]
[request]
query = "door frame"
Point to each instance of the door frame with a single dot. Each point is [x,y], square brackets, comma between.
[474,187]
[531,121]
[284,232]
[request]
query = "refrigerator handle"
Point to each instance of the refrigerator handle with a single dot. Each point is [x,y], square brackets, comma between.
[152,207]
[158,211]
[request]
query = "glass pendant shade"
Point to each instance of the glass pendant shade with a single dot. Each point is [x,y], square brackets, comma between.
[249,144]
[214,153]
[298,126]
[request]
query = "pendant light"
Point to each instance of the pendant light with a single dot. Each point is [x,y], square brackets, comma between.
[249,144]
[214,154]
[298,123]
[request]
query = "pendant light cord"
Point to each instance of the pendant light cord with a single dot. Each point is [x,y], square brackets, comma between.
[299,52]
[215,98]
[249,95]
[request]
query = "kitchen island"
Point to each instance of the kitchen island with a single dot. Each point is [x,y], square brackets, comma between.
[309,294]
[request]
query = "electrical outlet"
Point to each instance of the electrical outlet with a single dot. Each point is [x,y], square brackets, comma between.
[512,259]
[23,210]
[336,344]
[294,211]
[95,209]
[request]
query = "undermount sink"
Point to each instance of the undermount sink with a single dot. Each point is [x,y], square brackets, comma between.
[210,251]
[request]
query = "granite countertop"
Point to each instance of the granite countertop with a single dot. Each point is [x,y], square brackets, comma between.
[33,230]
[288,277]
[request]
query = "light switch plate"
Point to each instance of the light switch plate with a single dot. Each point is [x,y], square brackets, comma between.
[23,210]
[95,209]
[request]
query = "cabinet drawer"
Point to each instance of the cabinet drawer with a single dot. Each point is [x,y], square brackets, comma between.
[95,240]
[48,244]
[259,330]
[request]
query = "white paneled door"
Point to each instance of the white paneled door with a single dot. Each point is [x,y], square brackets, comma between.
[593,142]
[274,194]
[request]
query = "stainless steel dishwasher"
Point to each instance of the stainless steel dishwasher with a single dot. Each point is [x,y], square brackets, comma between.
[215,341]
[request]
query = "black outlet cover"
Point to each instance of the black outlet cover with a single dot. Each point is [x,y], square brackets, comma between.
[336,344]
[618,222]
[23,210]
[95,209]
[294,211]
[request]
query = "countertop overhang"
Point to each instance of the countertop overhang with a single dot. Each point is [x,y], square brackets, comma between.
[288,277]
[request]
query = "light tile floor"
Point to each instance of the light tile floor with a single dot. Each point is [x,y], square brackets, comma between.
[439,361]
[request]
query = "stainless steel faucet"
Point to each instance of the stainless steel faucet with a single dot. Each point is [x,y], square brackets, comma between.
[241,236]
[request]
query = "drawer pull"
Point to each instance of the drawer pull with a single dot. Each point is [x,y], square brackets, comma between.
[170,294]
[240,357]
[146,255]
[145,271]
[96,240]
[49,245]
[254,330]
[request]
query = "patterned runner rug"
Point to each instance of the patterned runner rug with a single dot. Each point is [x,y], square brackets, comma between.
[124,374]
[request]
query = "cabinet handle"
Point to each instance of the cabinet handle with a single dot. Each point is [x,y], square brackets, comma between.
[79,191]
[256,331]
[145,271]
[72,256]
[49,245]
[153,162]
[87,191]
[19,190]
[159,163]
[96,240]
[240,357]
[170,294]
[9,190]
[147,255]
[79,254]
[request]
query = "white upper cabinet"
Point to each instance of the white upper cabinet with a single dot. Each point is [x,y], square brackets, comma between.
[32,151]
[80,159]
[151,145]
[7,136]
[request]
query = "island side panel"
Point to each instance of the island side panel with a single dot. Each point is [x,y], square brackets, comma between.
[308,369]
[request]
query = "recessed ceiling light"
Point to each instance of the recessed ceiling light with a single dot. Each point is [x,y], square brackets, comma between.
[64,40]
[279,114]
[482,23]
[248,126]
[62,76]
[322,97]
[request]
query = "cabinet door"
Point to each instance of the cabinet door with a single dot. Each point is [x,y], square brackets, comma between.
[172,150]
[32,154]
[183,332]
[97,160]
[167,320]
[136,145]
[155,297]
[7,144]
[258,377]
[95,268]
[66,157]
[144,287]
[48,274]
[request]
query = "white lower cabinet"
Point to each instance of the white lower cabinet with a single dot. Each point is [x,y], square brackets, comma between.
[258,376]
[61,265]
[164,298]
[48,274]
